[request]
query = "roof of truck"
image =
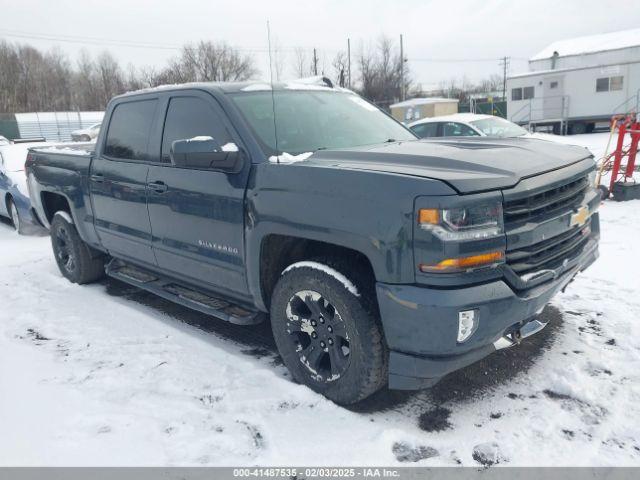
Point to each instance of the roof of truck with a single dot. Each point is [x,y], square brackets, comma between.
[311,83]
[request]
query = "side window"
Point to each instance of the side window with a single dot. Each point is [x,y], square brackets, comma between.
[189,117]
[516,94]
[129,130]
[615,83]
[426,130]
[454,129]
[607,84]
[527,93]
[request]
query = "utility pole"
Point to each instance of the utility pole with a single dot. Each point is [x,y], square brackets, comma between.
[349,61]
[315,63]
[401,70]
[504,62]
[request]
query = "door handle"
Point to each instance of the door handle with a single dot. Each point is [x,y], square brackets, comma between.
[97,178]
[159,187]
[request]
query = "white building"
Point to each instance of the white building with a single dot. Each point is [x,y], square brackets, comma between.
[417,108]
[574,84]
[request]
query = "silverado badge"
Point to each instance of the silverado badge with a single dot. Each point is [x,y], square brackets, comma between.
[580,217]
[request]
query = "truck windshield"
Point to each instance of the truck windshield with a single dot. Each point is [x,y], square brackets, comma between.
[310,120]
[498,127]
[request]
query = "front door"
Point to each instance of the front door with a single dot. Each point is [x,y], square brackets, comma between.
[553,97]
[197,215]
[118,182]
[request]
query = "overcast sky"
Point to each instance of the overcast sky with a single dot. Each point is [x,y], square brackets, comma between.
[443,39]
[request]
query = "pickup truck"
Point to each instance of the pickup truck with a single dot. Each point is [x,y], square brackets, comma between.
[379,259]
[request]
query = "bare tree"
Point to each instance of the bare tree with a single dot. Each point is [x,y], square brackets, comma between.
[300,63]
[340,66]
[381,72]
[110,77]
[208,61]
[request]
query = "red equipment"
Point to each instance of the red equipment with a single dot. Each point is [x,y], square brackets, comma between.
[622,174]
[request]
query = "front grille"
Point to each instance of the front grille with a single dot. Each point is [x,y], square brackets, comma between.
[546,203]
[548,254]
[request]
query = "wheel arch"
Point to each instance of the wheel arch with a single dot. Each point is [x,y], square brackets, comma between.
[53,202]
[8,197]
[277,252]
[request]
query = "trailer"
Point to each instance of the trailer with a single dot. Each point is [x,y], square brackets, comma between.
[574,86]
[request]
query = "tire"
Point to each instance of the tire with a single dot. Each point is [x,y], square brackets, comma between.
[14,215]
[347,359]
[77,262]
[577,128]
[85,138]
[604,192]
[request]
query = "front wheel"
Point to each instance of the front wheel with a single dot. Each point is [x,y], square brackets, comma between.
[329,336]
[77,262]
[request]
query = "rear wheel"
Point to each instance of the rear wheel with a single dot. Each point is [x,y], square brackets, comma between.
[329,337]
[76,260]
[14,214]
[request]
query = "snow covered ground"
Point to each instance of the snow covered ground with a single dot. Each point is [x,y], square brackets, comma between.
[108,375]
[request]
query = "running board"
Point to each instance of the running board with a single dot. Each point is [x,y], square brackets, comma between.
[182,294]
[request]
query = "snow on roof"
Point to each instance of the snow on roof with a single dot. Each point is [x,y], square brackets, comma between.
[15,155]
[423,101]
[591,44]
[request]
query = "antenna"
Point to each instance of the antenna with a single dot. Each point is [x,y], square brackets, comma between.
[273,97]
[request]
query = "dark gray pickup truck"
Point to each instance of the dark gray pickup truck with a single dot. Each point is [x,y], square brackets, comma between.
[379,259]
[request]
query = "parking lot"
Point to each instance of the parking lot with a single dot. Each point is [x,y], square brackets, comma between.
[108,375]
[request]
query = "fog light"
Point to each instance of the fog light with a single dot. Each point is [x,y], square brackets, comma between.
[467,324]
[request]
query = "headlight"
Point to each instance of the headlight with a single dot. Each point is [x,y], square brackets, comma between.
[592,178]
[463,223]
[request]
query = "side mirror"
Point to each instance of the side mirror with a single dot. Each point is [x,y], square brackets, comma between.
[206,153]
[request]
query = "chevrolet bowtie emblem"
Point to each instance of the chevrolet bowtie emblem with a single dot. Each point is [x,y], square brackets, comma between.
[580,217]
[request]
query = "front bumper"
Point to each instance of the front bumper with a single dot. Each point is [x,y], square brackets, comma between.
[420,324]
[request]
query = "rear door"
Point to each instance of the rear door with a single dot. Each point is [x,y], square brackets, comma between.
[197,215]
[426,130]
[118,181]
[455,129]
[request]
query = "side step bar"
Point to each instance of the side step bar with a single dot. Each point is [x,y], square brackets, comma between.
[182,294]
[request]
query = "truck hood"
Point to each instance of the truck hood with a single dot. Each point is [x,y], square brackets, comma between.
[469,165]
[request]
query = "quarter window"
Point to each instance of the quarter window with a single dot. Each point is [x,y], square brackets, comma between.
[129,130]
[190,117]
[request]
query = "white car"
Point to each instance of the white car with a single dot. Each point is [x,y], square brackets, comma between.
[86,134]
[14,196]
[466,125]
[4,140]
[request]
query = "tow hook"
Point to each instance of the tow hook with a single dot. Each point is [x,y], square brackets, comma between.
[517,336]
